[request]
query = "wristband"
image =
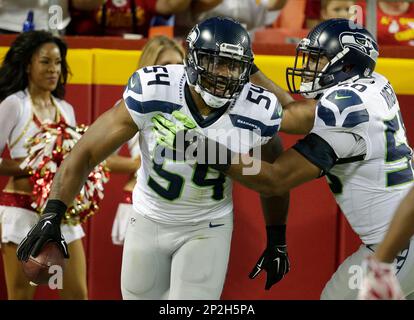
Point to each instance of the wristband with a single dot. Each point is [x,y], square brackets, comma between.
[276,235]
[56,206]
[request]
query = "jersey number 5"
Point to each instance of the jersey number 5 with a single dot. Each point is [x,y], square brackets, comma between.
[397,152]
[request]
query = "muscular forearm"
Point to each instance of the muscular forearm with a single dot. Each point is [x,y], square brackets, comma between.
[263,181]
[71,176]
[298,117]
[9,167]
[273,179]
[260,79]
[400,231]
[120,164]
[275,208]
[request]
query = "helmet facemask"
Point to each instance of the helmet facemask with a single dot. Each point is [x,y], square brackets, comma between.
[309,75]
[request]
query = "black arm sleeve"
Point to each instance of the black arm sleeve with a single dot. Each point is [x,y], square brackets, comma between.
[254,69]
[317,151]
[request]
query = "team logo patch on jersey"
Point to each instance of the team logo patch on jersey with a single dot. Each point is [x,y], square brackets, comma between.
[359,42]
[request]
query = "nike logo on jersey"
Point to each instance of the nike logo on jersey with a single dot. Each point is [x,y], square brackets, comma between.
[215,225]
[341,97]
[45,224]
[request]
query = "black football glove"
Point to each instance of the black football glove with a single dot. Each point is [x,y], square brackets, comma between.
[274,260]
[47,229]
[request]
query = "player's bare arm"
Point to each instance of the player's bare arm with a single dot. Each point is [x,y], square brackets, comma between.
[275,208]
[121,164]
[274,259]
[106,134]
[298,117]
[260,79]
[274,179]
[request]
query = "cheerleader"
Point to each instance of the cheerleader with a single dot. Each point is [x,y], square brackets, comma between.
[32,86]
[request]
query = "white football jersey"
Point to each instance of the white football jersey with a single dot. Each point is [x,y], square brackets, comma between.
[172,191]
[370,169]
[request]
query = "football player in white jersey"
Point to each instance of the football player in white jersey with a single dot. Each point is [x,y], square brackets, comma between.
[358,141]
[177,243]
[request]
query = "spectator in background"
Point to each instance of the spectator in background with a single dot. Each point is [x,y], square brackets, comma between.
[186,19]
[252,14]
[395,20]
[395,23]
[119,17]
[321,10]
[13,13]
[159,50]
[331,9]
[32,85]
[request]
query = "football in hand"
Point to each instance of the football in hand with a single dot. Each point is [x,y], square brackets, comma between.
[39,269]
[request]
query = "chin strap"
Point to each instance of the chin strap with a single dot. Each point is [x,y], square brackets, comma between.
[211,100]
[305,91]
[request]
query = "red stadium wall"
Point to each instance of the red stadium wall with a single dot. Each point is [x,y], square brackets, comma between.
[318,236]
[104,283]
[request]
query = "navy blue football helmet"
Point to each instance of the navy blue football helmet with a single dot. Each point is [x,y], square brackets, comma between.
[334,51]
[218,61]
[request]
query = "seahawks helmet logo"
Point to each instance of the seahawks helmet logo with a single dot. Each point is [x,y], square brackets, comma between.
[360,42]
[193,36]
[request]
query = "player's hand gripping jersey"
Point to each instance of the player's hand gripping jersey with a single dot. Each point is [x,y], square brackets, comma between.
[359,141]
[171,191]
